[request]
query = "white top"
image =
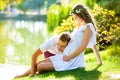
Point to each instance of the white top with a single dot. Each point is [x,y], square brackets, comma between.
[78,61]
[50,45]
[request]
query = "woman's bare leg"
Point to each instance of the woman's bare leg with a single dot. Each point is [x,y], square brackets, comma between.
[97,54]
[27,73]
[45,65]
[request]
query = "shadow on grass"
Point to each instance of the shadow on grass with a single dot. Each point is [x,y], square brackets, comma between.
[78,74]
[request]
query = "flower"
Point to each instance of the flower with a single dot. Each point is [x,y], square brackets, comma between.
[76,11]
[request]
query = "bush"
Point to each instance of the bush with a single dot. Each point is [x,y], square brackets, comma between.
[65,26]
[56,14]
[107,26]
[113,50]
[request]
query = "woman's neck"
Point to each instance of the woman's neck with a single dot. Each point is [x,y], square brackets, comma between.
[82,23]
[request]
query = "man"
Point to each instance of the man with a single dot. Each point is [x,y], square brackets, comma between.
[54,45]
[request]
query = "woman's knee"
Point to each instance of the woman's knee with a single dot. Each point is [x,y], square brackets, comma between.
[45,66]
[39,67]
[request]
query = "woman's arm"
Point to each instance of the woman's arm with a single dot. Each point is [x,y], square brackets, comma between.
[82,47]
[34,61]
[96,52]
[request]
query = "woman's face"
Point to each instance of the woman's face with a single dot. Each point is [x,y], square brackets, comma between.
[78,20]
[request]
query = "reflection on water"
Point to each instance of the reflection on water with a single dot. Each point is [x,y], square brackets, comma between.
[19,39]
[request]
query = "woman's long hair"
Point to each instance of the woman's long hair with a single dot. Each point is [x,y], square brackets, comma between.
[82,12]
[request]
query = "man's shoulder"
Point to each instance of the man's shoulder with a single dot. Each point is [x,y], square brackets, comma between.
[53,39]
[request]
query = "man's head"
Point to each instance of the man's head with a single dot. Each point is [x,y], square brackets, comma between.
[63,40]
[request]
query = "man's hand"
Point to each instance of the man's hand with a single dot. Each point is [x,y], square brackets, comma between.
[66,58]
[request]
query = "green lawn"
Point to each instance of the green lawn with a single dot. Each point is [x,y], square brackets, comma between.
[110,70]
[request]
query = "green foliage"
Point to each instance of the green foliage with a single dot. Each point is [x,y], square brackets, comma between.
[88,50]
[111,5]
[5,3]
[66,26]
[53,17]
[49,3]
[2,5]
[56,14]
[108,4]
[30,5]
[113,50]
[90,3]
[107,26]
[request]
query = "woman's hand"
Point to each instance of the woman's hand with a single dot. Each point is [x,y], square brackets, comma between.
[66,58]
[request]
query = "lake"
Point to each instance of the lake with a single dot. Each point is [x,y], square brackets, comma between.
[19,39]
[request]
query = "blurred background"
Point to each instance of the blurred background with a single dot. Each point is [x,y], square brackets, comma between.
[26,24]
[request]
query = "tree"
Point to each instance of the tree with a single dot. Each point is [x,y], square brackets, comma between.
[31,5]
[5,3]
[108,4]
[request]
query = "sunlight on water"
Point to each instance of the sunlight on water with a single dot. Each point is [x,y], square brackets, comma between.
[19,40]
[22,37]
[10,50]
[33,27]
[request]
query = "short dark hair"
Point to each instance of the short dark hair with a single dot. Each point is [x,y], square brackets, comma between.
[65,37]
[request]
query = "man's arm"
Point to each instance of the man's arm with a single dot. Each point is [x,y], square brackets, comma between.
[34,61]
[44,47]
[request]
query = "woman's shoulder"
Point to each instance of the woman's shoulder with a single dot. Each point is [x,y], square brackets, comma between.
[84,26]
[89,24]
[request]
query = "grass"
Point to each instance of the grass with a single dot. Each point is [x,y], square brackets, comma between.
[107,71]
